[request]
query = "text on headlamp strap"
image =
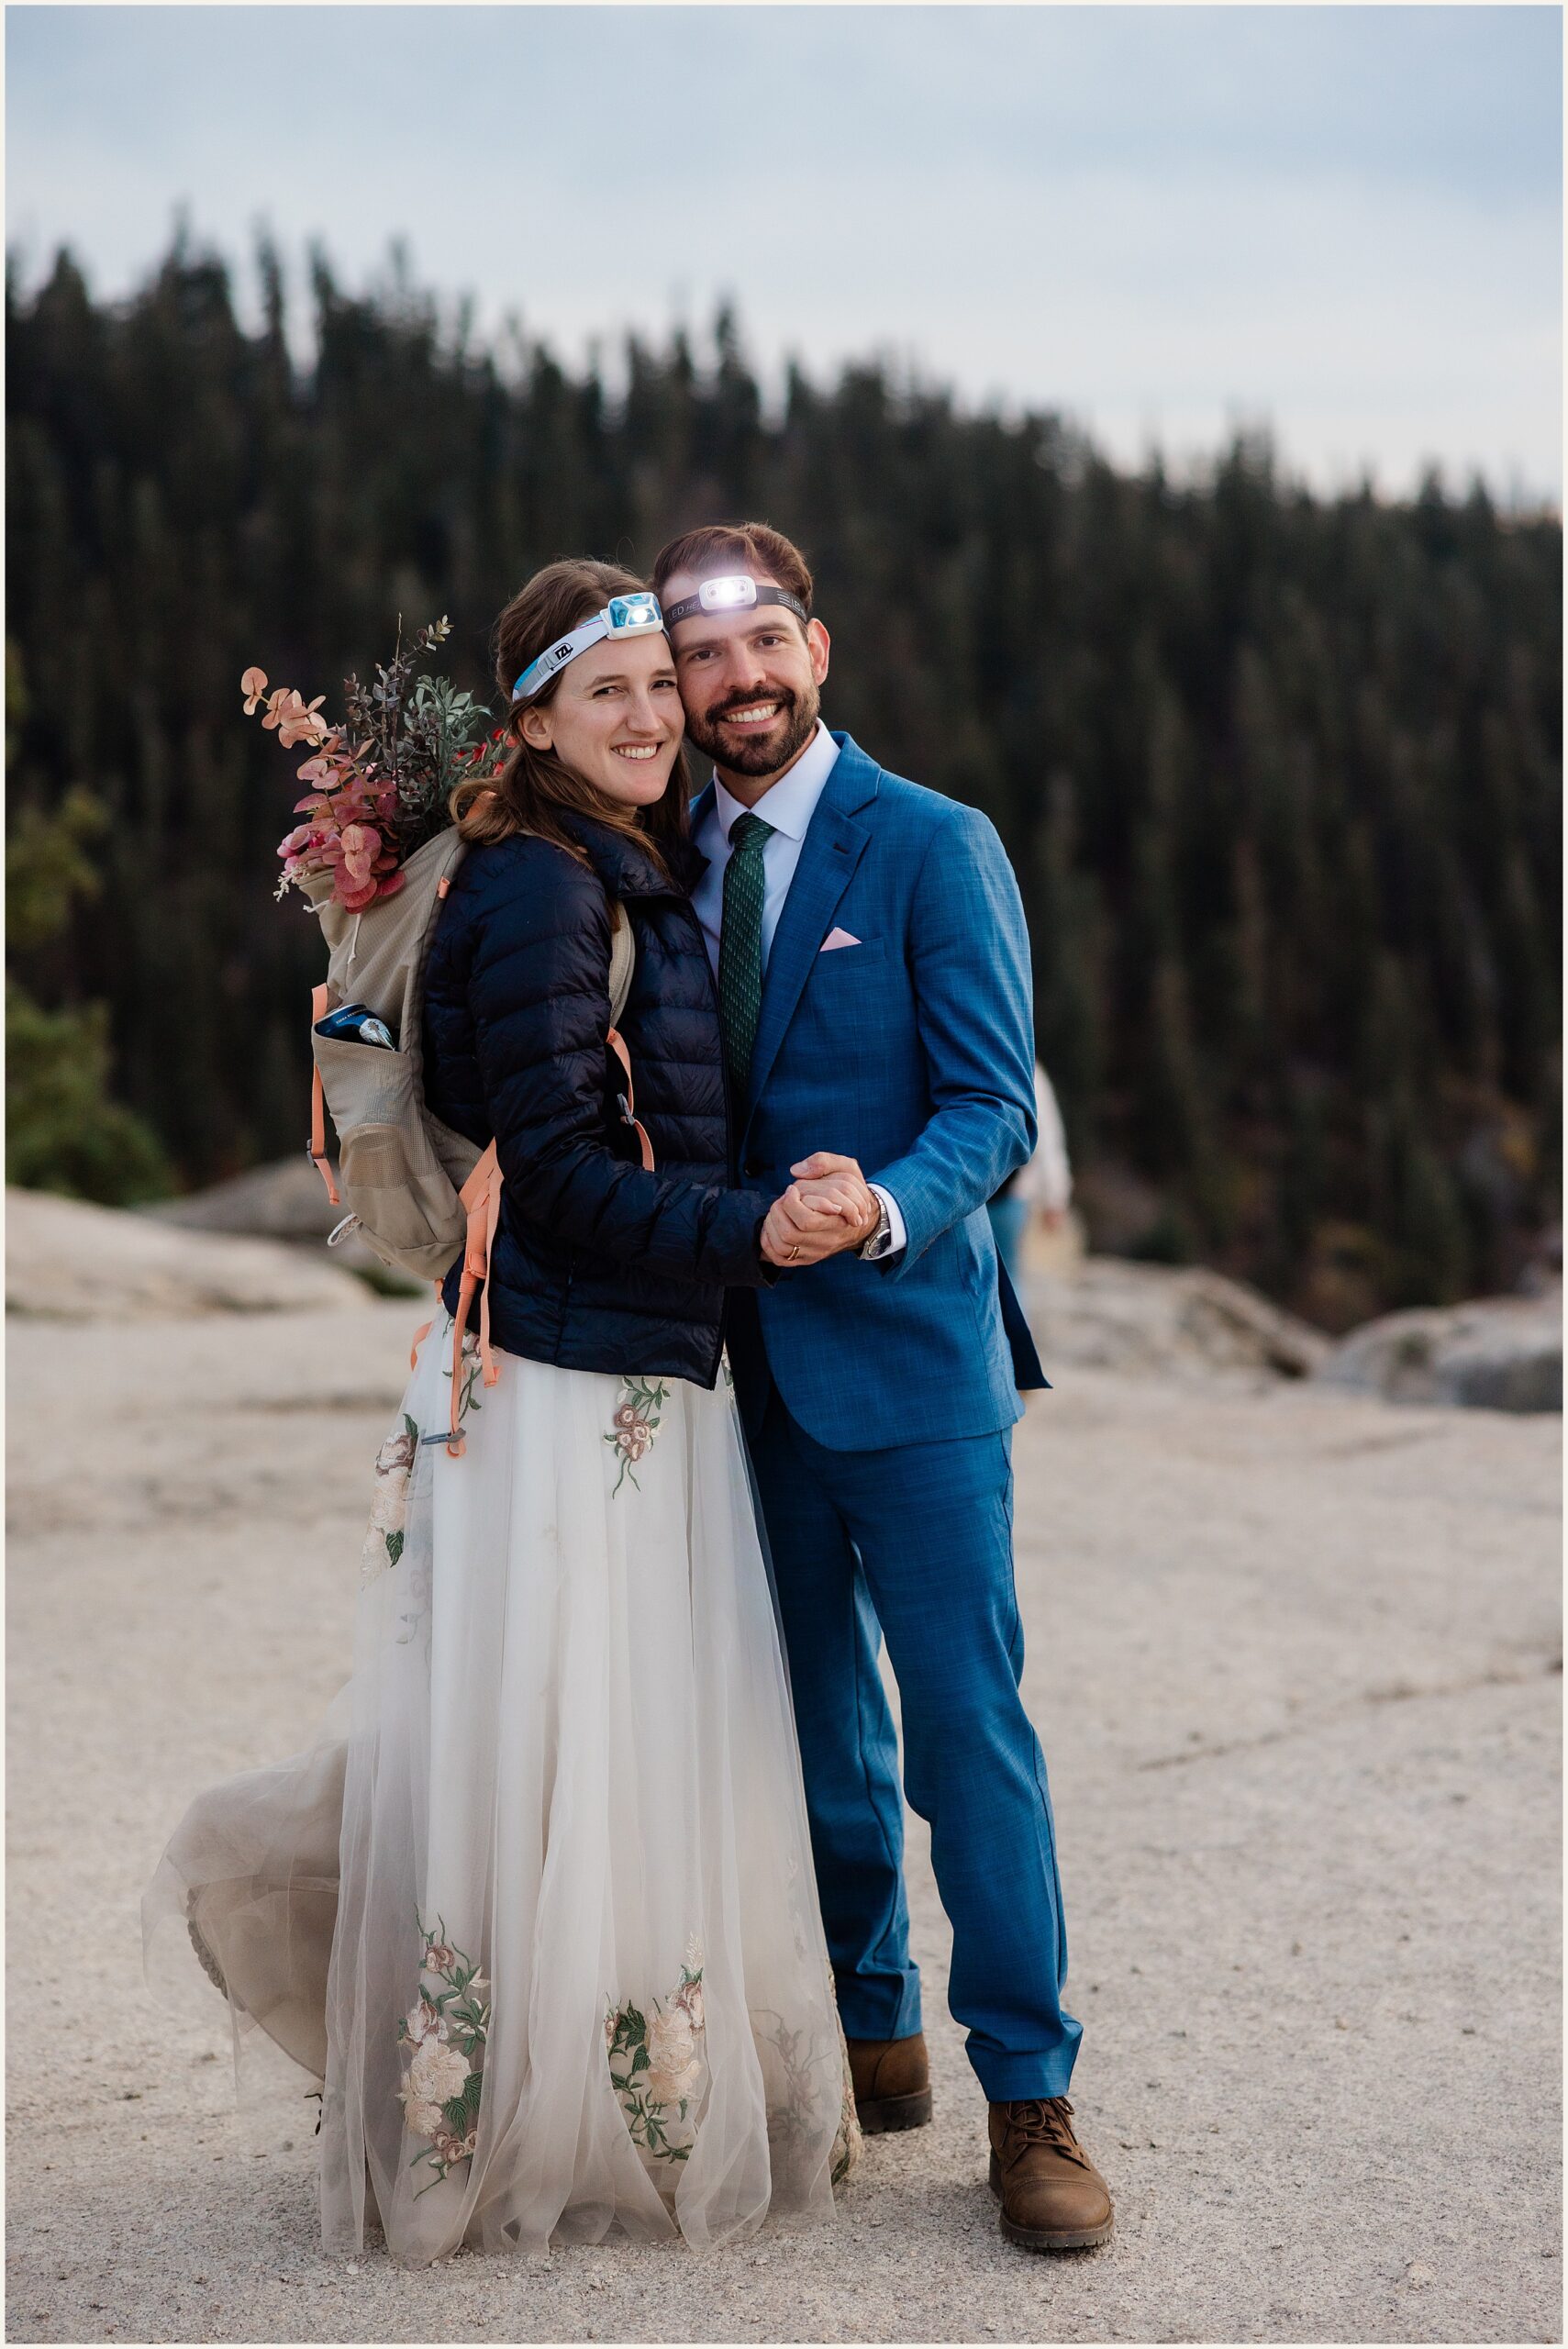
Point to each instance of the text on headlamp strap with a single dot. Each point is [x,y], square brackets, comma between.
[636,615]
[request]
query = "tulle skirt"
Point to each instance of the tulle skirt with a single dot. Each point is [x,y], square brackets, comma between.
[538,1908]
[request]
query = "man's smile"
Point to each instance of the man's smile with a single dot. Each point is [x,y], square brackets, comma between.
[754,713]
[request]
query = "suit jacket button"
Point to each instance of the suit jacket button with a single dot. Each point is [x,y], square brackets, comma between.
[754,1167]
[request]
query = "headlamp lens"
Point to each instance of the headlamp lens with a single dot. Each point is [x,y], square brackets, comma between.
[727,595]
[626,615]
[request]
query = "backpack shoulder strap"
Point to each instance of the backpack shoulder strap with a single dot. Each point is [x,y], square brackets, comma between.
[623,963]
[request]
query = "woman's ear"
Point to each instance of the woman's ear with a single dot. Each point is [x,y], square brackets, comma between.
[534,729]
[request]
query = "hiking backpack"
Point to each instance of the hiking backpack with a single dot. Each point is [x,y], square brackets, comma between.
[417,1193]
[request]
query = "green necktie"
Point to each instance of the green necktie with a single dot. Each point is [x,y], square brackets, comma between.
[741,944]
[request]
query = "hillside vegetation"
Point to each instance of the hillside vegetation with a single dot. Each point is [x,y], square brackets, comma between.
[1280,775]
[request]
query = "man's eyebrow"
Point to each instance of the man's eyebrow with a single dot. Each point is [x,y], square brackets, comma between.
[758,628]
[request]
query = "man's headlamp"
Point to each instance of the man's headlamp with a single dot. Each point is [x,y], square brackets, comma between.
[736,594]
[636,615]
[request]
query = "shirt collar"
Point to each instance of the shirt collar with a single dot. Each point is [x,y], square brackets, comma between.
[790,804]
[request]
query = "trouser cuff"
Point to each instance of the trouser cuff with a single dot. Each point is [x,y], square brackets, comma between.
[884,2010]
[1009,2080]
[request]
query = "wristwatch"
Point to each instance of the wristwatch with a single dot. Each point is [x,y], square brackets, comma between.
[881,1241]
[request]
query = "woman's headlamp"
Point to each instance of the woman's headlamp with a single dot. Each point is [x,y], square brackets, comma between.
[736,594]
[636,615]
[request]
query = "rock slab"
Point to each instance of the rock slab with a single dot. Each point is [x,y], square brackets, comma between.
[1502,1353]
[1292,1654]
[1148,1320]
[283,1200]
[68,1261]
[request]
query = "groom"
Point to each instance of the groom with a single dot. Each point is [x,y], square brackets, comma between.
[873,980]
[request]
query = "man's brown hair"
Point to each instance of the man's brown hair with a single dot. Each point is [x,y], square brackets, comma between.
[720,547]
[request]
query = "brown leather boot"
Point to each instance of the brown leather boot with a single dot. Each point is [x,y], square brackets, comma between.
[1052,2197]
[893,2083]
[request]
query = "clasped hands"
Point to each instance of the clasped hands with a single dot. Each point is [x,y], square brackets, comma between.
[827,1208]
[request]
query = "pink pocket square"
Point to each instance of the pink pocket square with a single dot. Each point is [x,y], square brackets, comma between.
[837,938]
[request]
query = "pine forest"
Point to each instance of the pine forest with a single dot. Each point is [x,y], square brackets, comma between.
[1279,774]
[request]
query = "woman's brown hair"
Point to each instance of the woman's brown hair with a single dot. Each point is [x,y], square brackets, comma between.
[534,786]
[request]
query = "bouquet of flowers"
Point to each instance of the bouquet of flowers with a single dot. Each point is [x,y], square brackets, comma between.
[380,783]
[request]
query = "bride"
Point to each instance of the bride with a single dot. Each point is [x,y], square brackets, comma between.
[555,1840]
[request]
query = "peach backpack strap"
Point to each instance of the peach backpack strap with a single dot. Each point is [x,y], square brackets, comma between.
[481,1196]
[629,1098]
[316,1145]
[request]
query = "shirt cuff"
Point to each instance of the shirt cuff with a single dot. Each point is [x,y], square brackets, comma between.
[897,1230]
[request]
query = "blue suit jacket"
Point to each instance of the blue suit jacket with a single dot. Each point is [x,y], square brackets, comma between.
[912,1052]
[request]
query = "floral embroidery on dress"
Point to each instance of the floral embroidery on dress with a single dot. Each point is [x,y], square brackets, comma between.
[446,2028]
[636,1423]
[657,2066]
[793,2122]
[383,1544]
[728,1374]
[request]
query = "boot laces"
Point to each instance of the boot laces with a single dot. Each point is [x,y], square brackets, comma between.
[1047,2121]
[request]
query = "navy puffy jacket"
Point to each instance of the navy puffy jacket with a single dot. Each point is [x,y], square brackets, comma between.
[598,1264]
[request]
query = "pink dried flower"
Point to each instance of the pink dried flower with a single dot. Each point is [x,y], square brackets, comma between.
[368,803]
[362,846]
[295,720]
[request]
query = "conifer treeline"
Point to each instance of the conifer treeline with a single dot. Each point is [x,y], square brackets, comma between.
[1280,775]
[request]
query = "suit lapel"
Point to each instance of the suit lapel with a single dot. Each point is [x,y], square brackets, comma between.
[835,842]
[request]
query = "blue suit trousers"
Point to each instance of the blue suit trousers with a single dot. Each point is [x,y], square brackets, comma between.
[914,1545]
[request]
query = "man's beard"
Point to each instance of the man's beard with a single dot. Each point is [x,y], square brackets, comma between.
[767,754]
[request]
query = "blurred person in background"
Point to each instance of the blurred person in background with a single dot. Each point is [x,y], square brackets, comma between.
[1042,1186]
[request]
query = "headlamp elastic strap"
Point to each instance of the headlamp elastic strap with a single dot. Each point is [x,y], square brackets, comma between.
[737,592]
[636,615]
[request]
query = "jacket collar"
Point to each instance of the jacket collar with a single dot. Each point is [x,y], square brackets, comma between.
[624,865]
[852,782]
[855,779]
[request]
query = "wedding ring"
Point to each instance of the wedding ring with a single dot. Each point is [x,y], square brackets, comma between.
[793,1254]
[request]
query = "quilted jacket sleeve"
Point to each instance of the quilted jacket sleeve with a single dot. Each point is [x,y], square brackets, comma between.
[538,998]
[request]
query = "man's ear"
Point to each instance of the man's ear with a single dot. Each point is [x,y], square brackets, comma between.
[535,729]
[820,644]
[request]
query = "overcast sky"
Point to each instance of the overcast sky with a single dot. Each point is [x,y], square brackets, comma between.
[1342,221]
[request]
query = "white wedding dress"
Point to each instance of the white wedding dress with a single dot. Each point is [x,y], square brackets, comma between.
[577,1976]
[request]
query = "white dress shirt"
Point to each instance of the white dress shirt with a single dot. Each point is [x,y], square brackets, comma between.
[788,806]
